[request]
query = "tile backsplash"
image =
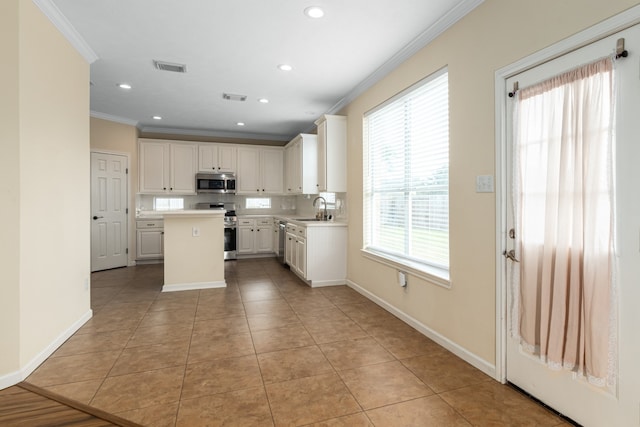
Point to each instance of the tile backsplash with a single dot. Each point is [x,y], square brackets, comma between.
[280,205]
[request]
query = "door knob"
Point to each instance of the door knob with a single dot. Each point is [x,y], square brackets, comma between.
[510,255]
[96,217]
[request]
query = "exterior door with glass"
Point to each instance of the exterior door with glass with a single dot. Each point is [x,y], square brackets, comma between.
[562,389]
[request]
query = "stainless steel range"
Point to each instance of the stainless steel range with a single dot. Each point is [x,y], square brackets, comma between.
[230,225]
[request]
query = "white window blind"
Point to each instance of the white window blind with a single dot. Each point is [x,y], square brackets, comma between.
[258,203]
[406,176]
[168,203]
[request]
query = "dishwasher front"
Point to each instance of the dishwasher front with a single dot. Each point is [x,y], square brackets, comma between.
[282,231]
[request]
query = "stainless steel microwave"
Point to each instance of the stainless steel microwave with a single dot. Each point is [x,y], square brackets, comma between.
[220,183]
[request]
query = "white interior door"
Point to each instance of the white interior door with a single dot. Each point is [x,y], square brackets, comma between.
[574,397]
[108,211]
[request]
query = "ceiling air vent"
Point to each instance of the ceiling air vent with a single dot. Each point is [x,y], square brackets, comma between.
[232,97]
[169,66]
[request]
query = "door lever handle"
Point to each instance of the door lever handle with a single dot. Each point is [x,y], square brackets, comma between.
[510,255]
[96,217]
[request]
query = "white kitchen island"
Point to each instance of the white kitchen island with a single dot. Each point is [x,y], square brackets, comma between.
[193,250]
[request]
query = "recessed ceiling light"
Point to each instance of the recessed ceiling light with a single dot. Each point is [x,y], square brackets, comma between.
[285,67]
[157,118]
[124,86]
[314,12]
[240,123]
[263,100]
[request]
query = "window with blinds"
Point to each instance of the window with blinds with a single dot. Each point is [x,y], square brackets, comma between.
[406,177]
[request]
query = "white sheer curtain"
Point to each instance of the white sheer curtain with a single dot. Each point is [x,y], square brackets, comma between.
[564,212]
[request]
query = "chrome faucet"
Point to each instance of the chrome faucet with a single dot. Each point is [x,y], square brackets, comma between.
[324,217]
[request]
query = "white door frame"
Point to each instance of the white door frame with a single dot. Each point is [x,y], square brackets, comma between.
[601,30]
[130,244]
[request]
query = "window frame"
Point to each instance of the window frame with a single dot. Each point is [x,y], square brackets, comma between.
[428,271]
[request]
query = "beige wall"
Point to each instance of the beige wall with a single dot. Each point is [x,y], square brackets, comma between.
[9,190]
[120,138]
[48,148]
[54,229]
[496,34]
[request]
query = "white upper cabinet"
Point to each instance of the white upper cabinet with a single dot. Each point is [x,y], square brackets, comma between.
[332,153]
[302,165]
[217,158]
[260,170]
[153,167]
[272,170]
[183,162]
[166,167]
[292,167]
[248,179]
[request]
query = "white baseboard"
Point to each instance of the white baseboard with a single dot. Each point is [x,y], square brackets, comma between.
[324,283]
[10,379]
[192,286]
[148,261]
[17,376]
[445,342]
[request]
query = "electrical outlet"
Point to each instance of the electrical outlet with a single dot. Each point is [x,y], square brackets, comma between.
[86,283]
[195,232]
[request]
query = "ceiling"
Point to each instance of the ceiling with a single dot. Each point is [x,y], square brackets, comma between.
[235,47]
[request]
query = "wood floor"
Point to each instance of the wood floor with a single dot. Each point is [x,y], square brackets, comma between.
[28,405]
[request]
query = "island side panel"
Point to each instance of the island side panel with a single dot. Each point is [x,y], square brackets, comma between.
[193,261]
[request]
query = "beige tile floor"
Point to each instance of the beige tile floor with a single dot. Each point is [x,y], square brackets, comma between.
[267,350]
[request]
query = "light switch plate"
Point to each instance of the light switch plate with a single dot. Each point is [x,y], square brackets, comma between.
[195,232]
[402,278]
[484,184]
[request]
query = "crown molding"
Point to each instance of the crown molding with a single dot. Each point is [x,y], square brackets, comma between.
[63,25]
[214,134]
[427,36]
[111,118]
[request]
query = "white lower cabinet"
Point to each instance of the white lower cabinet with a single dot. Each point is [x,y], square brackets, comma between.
[149,240]
[255,236]
[264,238]
[318,254]
[246,244]
[301,256]
[290,246]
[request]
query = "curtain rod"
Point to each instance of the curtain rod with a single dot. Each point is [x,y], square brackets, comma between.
[621,52]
